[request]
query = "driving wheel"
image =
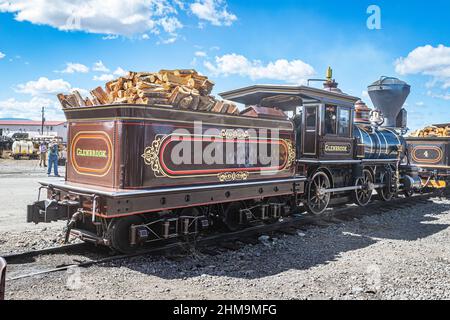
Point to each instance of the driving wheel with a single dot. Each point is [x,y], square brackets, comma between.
[318,199]
[386,192]
[363,196]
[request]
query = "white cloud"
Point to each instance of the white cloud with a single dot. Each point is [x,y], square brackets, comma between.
[100,67]
[169,40]
[110,37]
[104,77]
[31,109]
[445,96]
[295,71]
[214,11]
[120,72]
[145,36]
[75,67]
[429,61]
[116,17]
[170,24]
[2,55]
[44,86]
[200,54]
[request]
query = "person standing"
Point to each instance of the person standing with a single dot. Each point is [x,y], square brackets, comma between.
[43,154]
[53,159]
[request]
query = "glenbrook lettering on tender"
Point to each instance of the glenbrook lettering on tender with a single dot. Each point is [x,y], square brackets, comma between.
[227,310]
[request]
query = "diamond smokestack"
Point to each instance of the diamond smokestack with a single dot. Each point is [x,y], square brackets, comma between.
[388,95]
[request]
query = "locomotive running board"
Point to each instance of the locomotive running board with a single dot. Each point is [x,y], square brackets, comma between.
[331,162]
[121,193]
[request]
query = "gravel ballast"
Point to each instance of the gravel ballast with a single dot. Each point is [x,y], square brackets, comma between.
[401,254]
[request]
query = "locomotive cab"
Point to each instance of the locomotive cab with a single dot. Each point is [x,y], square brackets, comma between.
[327,132]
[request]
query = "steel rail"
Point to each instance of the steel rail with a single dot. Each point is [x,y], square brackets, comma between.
[34,253]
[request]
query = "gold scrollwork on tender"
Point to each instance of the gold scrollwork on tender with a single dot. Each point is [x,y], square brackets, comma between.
[232,176]
[234,134]
[291,154]
[151,156]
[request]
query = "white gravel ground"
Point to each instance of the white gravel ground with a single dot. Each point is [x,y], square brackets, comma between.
[403,254]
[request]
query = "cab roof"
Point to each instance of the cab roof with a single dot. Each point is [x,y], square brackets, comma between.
[286,97]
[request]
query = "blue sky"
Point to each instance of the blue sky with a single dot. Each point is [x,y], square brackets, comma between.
[236,43]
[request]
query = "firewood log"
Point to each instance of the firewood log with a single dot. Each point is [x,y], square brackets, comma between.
[88,102]
[153,101]
[233,110]
[79,98]
[64,103]
[217,107]
[72,100]
[100,95]
[183,72]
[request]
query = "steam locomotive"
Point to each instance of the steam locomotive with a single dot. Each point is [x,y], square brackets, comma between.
[138,174]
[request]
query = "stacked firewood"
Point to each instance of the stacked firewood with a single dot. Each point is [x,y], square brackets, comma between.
[183,89]
[432,131]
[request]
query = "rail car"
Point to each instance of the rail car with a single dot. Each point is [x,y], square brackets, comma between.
[432,156]
[138,174]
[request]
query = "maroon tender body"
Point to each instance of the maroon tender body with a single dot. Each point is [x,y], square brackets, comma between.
[132,147]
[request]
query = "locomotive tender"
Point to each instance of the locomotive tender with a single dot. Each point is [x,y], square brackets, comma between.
[139,174]
[432,156]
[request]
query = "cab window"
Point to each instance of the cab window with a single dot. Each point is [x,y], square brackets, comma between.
[330,120]
[311,115]
[344,122]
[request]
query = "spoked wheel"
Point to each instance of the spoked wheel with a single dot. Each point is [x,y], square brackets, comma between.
[318,198]
[121,233]
[386,192]
[363,196]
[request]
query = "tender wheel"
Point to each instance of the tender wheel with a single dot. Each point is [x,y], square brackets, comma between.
[363,196]
[232,216]
[120,233]
[318,199]
[385,192]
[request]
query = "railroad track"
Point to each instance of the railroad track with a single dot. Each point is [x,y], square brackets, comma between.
[224,241]
[14,257]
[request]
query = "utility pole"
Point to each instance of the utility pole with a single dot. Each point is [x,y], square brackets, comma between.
[43,120]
